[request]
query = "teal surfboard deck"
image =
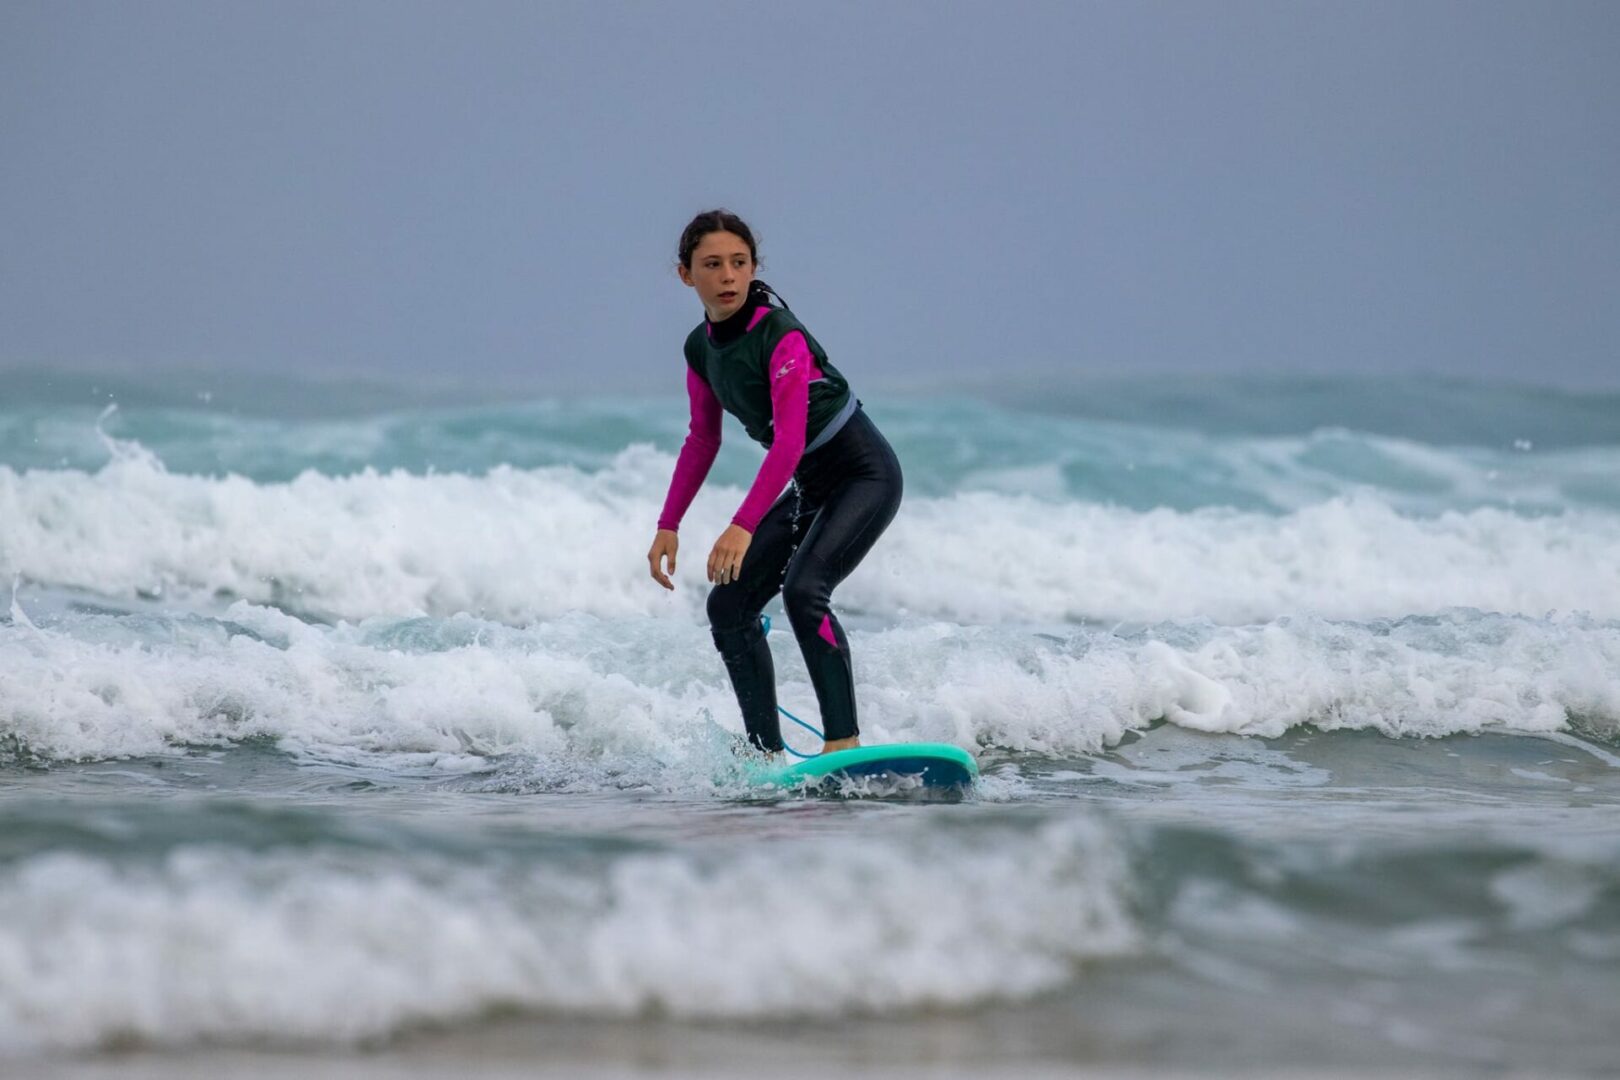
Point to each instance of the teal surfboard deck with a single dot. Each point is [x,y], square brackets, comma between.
[930,766]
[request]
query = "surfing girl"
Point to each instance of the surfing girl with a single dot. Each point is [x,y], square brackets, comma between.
[752,357]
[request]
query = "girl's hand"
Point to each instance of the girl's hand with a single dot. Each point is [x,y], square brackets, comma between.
[664,546]
[725,561]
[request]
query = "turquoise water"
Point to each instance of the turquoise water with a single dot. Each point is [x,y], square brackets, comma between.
[340,716]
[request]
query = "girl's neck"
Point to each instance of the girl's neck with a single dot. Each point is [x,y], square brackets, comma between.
[735,326]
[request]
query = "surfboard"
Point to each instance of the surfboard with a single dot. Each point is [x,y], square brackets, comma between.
[897,767]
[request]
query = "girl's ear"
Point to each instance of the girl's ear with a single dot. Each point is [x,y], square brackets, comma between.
[686,275]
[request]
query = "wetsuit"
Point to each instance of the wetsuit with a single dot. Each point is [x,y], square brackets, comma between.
[762,366]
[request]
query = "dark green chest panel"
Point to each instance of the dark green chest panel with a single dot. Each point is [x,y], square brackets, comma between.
[740,375]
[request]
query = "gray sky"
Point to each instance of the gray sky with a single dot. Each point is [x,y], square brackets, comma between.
[496,189]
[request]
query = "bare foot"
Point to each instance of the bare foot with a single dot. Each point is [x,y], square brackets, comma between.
[840,744]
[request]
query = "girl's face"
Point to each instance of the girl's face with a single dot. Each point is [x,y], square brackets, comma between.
[721,271]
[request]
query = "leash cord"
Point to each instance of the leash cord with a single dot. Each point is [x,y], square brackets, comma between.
[765,623]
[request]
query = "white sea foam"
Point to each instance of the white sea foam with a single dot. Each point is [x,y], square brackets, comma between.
[336,946]
[520,545]
[650,695]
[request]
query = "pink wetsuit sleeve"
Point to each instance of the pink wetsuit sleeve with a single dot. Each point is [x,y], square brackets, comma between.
[791,365]
[697,452]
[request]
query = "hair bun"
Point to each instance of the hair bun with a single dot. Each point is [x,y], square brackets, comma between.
[761,289]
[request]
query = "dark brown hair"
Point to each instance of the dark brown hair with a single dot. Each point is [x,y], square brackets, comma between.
[713,221]
[722,220]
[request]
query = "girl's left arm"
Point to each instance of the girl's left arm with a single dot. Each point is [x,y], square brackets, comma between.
[791,363]
[790,413]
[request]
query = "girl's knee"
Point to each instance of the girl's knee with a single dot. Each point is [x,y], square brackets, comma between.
[803,600]
[730,616]
[723,609]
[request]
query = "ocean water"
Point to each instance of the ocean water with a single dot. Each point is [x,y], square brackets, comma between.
[346,730]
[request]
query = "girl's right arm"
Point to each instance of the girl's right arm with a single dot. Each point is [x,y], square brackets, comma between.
[697,453]
[691,468]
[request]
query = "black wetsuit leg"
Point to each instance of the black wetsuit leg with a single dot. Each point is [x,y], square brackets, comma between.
[734,611]
[845,494]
